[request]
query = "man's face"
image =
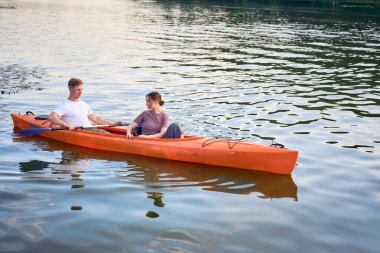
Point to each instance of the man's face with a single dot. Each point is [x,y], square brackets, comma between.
[76,91]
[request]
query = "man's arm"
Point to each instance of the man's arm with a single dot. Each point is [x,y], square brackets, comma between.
[54,118]
[100,121]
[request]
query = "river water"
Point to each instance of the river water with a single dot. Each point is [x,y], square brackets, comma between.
[307,79]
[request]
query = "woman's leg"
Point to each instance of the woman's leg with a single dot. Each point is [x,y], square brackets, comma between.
[174,131]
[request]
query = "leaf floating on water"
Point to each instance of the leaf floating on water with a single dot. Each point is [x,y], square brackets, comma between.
[75,175]
[77,186]
[157,197]
[331,142]
[152,214]
[76,208]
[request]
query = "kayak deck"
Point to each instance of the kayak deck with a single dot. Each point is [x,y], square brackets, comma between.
[193,149]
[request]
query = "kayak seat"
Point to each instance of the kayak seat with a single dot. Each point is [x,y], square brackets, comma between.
[39,117]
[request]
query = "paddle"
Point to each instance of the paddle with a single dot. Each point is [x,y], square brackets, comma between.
[43,130]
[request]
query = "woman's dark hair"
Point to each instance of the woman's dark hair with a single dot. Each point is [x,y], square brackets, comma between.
[155,96]
[75,82]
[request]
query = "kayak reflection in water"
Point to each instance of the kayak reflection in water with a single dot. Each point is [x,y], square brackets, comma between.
[154,122]
[71,163]
[74,112]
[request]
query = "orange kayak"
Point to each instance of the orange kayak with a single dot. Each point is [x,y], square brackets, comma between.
[195,149]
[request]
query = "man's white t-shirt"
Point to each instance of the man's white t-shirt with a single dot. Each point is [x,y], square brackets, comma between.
[75,113]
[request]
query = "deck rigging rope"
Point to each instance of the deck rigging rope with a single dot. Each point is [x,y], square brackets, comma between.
[212,141]
[232,145]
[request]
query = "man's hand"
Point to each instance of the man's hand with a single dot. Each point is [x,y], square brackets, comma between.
[69,126]
[117,123]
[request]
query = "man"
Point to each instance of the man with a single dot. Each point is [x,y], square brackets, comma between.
[75,112]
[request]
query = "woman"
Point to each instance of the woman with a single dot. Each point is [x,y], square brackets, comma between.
[154,121]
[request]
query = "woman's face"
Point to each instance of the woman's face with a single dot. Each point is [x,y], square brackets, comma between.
[150,103]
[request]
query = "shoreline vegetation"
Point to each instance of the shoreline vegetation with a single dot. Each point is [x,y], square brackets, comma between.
[276,2]
[328,4]
[362,7]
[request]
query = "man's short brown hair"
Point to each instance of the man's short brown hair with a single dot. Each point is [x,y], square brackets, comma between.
[75,82]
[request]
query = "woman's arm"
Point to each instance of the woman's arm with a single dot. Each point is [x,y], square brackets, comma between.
[129,129]
[159,135]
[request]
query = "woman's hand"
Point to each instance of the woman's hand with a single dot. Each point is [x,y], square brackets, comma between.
[129,135]
[129,129]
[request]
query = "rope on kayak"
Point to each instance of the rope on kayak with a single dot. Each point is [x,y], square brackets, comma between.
[212,141]
[29,113]
[232,145]
[48,121]
[277,145]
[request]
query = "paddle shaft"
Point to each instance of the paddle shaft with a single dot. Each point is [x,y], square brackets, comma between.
[43,130]
[82,127]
